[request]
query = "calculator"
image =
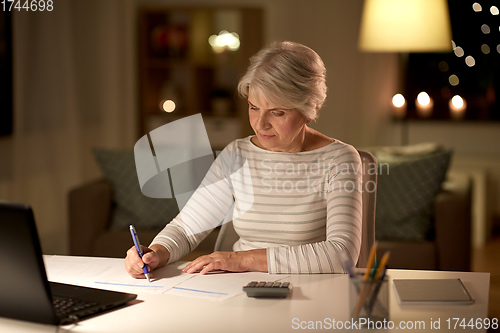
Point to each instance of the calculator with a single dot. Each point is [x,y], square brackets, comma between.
[263,289]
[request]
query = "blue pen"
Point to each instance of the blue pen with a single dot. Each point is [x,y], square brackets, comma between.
[138,247]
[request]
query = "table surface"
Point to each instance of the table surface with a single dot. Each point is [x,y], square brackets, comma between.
[314,298]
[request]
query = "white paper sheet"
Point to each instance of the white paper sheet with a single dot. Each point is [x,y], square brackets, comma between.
[219,286]
[110,274]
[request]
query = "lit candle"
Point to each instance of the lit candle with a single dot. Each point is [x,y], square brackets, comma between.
[424,104]
[457,107]
[398,106]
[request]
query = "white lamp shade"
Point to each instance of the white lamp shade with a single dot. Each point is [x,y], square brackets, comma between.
[405,26]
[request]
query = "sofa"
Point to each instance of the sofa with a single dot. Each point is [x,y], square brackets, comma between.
[91,206]
[449,249]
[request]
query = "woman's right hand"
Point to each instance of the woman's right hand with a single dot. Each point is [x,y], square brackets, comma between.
[153,257]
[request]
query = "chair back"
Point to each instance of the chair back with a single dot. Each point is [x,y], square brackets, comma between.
[228,236]
[369,197]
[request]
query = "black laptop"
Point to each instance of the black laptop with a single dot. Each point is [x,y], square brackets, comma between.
[25,292]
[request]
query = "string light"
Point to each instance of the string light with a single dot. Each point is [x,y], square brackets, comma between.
[453,79]
[470,61]
[459,52]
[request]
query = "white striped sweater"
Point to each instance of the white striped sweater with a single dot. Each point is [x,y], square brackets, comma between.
[304,208]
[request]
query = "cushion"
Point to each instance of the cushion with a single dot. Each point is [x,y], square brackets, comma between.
[408,182]
[131,206]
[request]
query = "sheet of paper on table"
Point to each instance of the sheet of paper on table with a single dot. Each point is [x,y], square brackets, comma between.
[109,273]
[219,286]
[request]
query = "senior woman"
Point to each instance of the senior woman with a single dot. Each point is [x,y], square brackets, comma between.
[305,211]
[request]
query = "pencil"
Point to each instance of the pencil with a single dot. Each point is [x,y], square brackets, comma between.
[378,275]
[382,264]
[371,259]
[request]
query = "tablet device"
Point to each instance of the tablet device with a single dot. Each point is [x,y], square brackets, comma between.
[431,292]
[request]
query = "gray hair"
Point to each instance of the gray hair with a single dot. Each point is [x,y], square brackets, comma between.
[289,75]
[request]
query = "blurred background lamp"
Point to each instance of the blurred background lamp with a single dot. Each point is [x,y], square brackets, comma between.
[224,41]
[405,26]
[168,106]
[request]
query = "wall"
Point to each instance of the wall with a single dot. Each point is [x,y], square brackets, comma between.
[74,89]
[359,84]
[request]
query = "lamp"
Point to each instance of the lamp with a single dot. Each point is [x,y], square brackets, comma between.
[405,26]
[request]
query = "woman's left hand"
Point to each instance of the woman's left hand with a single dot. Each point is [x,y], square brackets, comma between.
[241,261]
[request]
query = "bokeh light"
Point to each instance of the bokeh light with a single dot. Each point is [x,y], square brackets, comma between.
[485,29]
[423,98]
[457,101]
[443,66]
[470,61]
[224,40]
[459,52]
[453,79]
[398,100]
[485,48]
[168,105]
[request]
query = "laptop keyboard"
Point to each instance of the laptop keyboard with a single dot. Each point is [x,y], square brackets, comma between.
[66,306]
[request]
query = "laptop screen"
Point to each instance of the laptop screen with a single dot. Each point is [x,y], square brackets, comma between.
[24,289]
[25,292]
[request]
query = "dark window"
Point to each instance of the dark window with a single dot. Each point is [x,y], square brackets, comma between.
[470,71]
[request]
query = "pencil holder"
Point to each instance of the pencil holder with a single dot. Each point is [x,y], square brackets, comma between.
[369,301]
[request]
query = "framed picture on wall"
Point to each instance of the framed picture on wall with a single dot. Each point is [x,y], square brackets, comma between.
[6,90]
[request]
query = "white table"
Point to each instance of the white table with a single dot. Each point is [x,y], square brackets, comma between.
[314,298]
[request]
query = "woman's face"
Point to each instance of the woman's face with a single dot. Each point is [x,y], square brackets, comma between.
[276,129]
